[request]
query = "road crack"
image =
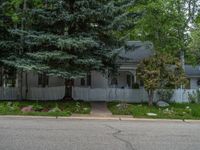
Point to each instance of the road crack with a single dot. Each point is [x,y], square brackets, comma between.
[116,135]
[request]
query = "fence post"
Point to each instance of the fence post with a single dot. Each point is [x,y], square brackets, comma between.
[181,93]
[88,91]
[107,97]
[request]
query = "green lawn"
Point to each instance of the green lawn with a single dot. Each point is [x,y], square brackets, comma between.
[47,108]
[175,111]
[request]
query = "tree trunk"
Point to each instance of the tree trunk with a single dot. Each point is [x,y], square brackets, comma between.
[21,84]
[26,85]
[68,89]
[150,96]
[22,51]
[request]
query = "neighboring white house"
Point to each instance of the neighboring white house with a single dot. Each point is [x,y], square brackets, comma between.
[96,86]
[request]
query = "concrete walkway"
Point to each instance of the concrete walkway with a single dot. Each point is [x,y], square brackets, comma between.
[100,109]
[100,112]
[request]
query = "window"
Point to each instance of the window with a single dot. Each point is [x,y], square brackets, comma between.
[89,80]
[114,81]
[130,80]
[43,80]
[86,80]
[82,81]
[10,77]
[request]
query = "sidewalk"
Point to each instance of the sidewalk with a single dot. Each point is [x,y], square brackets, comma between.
[99,109]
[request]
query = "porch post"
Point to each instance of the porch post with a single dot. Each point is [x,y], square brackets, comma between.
[135,77]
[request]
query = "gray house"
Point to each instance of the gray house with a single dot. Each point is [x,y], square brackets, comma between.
[40,86]
[193,75]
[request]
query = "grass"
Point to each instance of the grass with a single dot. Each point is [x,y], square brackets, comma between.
[174,111]
[47,108]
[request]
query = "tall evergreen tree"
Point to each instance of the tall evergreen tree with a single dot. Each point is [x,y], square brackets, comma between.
[69,38]
[7,45]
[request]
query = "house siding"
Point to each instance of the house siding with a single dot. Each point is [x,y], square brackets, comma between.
[193,83]
[99,80]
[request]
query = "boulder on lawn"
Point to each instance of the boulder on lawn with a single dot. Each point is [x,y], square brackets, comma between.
[27,109]
[162,104]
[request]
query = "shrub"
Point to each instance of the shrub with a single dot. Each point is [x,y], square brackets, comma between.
[37,107]
[78,107]
[194,97]
[165,94]
[195,113]
[136,86]
[56,109]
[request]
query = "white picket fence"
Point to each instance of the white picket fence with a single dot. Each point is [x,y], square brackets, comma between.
[50,93]
[8,93]
[89,94]
[182,95]
[109,94]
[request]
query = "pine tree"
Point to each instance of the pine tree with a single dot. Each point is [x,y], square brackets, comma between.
[69,38]
[7,44]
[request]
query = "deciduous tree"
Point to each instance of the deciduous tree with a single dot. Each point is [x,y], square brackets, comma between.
[160,71]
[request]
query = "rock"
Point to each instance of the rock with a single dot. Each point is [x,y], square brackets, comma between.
[56,109]
[162,104]
[85,109]
[188,107]
[122,105]
[151,114]
[45,110]
[27,109]
[168,111]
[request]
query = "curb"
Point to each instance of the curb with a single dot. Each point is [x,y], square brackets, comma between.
[115,118]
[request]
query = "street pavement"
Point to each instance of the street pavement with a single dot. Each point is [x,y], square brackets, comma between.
[66,134]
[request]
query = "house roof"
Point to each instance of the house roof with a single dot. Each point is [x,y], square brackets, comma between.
[135,51]
[192,70]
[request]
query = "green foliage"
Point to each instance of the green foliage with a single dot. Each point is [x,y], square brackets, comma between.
[158,72]
[44,108]
[136,86]
[195,44]
[166,24]
[55,109]
[165,94]
[9,107]
[78,106]
[194,97]
[37,107]
[174,111]
[68,38]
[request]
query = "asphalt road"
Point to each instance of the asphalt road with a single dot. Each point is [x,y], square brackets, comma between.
[61,134]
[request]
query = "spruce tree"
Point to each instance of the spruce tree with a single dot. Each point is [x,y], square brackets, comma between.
[8,46]
[70,38]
